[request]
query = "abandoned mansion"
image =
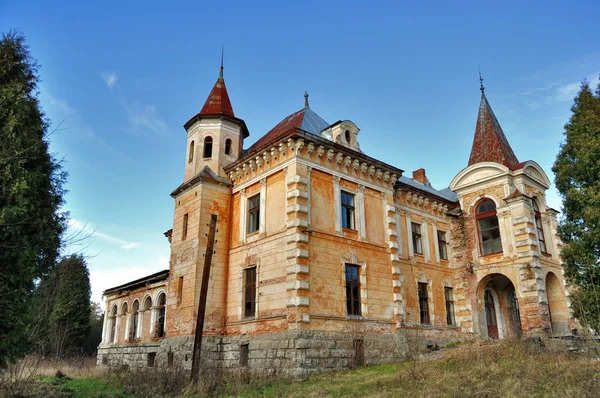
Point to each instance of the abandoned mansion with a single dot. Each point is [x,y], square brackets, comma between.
[325,257]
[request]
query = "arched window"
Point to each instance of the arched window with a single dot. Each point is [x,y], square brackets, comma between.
[113,324]
[147,303]
[489,230]
[347,135]
[162,301]
[135,309]
[208,143]
[228,146]
[146,316]
[191,154]
[540,228]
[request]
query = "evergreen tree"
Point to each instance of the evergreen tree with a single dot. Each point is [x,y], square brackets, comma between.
[577,170]
[31,190]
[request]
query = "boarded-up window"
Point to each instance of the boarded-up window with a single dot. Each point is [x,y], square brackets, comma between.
[249,292]
[423,304]
[244,351]
[352,289]
[449,306]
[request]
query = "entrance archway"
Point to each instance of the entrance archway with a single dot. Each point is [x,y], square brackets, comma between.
[499,316]
[557,304]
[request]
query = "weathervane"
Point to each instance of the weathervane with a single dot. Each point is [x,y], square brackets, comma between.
[480,80]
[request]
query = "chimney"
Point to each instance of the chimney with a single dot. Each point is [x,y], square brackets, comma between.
[419,175]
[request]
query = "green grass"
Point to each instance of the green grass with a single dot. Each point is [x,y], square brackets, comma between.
[83,387]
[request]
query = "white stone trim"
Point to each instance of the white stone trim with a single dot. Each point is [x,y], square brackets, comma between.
[436,244]
[359,216]
[425,240]
[399,239]
[353,260]
[263,206]
[243,215]
[337,204]
[411,249]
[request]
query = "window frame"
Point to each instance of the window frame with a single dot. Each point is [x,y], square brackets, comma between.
[442,245]
[423,294]
[349,210]
[449,299]
[161,313]
[191,152]
[479,216]
[249,306]
[539,226]
[353,290]
[253,214]
[228,146]
[417,238]
[207,150]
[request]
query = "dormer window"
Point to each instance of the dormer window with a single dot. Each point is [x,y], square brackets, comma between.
[348,137]
[228,146]
[208,144]
[489,229]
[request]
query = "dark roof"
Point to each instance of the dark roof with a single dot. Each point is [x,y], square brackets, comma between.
[490,143]
[305,119]
[445,193]
[156,277]
[206,174]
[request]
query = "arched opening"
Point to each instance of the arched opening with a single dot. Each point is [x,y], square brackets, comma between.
[123,322]
[539,227]
[498,314]
[208,144]
[146,316]
[162,308]
[135,314]
[191,152]
[228,146]
[113,324]
[347,136]
[557,304]
[489,229]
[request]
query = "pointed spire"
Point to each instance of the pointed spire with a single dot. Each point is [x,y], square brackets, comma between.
[490,143]
[218,102]
[306,99]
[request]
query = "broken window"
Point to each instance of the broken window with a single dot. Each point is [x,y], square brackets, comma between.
[424,303]
[449,306]
[347,210]
[162,308]
[133,332]
[489,229]
[352,289]
[254,213]
[441,236]
[249,292]
[539,227]
[416,238]
[208,144]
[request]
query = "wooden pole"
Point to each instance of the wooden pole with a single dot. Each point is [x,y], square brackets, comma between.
[210,245]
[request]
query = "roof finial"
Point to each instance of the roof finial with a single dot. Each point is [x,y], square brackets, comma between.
[306,99]
[480,80]
[221,71]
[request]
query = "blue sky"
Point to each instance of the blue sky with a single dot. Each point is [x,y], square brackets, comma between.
[125,76]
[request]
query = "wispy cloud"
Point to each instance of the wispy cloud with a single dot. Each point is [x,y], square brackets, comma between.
[543,88]
[61,105]
[86,228]
[110,79]
[145,117]
[567,92]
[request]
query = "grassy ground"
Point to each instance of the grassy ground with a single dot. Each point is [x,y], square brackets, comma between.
[506,370]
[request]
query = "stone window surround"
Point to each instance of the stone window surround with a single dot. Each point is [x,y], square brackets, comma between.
[353,260]
[500,210]
[243,293]
[421,277]
[546,222]
[448,282]
[245,237]
[359,207]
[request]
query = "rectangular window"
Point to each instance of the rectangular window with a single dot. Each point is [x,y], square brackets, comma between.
[441,236]
[416,238]
[249,292]
[423,304]
[449,306]
[352,290]
[254,213]
[244,351]
[151,359]
[347,210]
[540,232]
[185,226]
[179,290]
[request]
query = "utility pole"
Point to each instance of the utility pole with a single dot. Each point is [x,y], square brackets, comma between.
[210,245]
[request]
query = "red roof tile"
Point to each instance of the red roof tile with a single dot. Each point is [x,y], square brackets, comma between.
[218,102]
[490,143]
[292,121]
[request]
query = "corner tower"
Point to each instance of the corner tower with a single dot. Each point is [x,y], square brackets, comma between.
[215,135]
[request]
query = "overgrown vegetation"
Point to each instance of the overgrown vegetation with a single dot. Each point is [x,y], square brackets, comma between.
[512,369]
[577,170]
